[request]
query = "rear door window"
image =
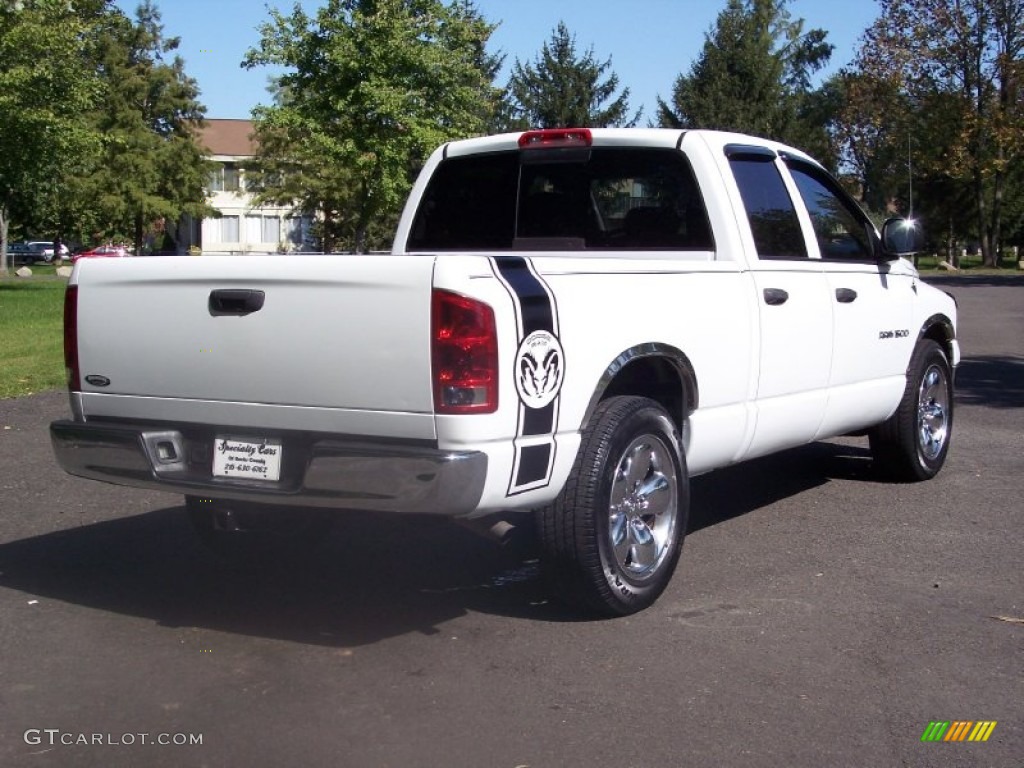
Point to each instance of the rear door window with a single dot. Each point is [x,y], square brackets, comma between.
[770,211]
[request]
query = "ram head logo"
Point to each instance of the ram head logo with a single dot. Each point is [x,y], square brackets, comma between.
[539,369]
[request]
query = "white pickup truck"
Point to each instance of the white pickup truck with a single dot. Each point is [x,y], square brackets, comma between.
[572,323]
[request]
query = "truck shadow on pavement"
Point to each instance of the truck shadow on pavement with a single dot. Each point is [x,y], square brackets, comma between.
[993,382]
[373,577]
[1008,279]
[728,493]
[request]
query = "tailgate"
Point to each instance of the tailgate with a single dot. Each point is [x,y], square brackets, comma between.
[334,332]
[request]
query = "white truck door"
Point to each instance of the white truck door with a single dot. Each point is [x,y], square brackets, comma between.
[794,308]
[872,305]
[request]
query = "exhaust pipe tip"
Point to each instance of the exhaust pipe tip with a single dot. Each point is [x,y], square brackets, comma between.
[500,532]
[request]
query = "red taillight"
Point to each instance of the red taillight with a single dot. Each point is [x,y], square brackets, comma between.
[556,137]
[464,354]
[71,338]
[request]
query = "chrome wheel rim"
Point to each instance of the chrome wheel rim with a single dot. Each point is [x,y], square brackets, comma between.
[642,510]
[933,412]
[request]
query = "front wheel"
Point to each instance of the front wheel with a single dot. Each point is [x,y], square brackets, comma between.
[614,535]
[912,445]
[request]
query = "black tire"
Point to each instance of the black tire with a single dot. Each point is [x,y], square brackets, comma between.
[242,532]
[913,443]
[630,444]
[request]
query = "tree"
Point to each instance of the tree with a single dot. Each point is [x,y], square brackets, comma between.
[959,65]
[561,89]
[370,88]
[867,127]
[152,170]
[753,75]
[46,82]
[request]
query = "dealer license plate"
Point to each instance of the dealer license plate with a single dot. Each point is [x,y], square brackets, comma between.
[255,459]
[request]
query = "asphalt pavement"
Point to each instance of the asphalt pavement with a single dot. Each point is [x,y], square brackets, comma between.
[819,617]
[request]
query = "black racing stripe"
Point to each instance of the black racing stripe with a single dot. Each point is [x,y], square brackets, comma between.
[533,299]
[535,312]
[533,463]
[539,421]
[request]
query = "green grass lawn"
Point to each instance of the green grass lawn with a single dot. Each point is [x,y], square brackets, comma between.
[970,265]
[31,335]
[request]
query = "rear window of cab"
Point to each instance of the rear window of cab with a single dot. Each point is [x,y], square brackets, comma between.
[589,198]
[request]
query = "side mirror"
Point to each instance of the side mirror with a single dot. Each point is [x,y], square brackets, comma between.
[901,237]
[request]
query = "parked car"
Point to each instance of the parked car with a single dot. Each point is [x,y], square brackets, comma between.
[102,251]
[20,253]
[46,248]
[34,251]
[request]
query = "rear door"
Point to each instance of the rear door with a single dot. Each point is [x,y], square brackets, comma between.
[793,304]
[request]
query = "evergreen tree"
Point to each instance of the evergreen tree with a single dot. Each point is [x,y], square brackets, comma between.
[152,170]
[753,76]
[562,89]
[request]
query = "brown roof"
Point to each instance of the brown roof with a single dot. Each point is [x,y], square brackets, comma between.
[228,137]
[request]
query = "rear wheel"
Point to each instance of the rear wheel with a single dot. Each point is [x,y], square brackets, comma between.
[241,530]
[613,537]
[912,445]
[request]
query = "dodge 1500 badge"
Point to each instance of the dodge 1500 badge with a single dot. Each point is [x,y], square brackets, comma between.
[571,324]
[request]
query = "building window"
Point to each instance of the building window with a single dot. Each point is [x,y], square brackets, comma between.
[271,229]
[225,178]
[253,229]
[229,229]
[297,230]
[262,229]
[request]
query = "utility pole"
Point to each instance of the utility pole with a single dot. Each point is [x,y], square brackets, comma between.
[910,195]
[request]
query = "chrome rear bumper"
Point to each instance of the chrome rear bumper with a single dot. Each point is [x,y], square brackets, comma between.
[319,471]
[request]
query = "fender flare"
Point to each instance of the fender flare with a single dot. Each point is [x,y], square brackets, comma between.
[676,359]
[939,328]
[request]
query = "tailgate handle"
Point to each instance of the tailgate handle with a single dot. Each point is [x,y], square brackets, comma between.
[235,301]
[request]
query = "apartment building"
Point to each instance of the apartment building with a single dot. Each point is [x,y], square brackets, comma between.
[243,226]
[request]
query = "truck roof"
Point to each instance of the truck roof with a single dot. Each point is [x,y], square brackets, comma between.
[613,137]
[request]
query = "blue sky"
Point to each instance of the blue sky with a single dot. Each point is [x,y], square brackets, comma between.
[650,42]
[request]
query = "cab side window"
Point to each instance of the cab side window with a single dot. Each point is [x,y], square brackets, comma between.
[773,220]
[840,228]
